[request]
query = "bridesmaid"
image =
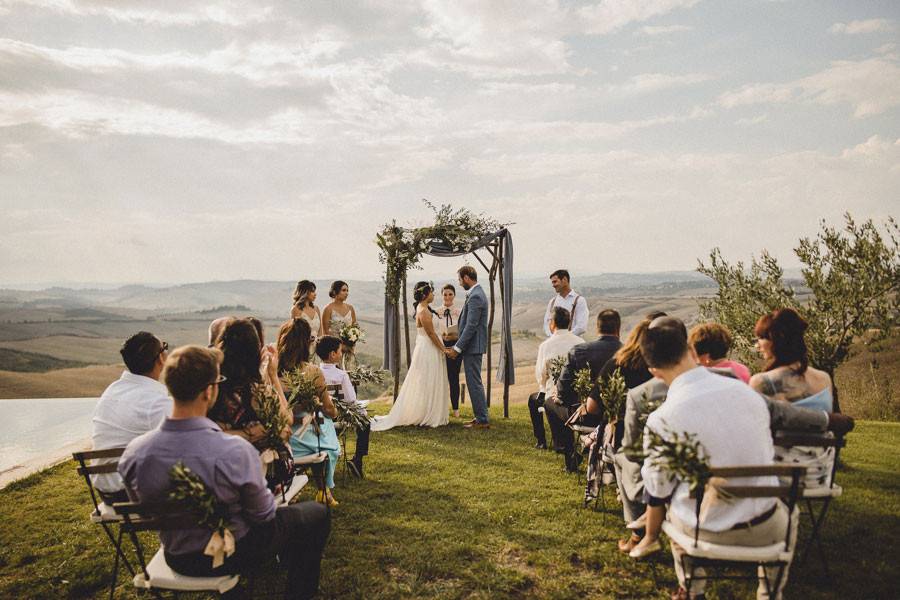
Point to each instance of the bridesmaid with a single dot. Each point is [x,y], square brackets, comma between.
[305,308]
[338,312]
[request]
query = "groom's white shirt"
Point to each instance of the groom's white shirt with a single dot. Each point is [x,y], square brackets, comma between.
[469,291]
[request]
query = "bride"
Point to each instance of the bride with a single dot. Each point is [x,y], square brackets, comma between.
[424,398]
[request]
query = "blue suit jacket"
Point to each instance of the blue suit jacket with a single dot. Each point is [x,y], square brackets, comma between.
[473,323]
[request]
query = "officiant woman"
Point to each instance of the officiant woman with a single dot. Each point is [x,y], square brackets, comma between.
[448,314]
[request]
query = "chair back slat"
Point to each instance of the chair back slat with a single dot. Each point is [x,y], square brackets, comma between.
[336,390]
[156,516]
[755,491]
[93,454]
[781,470]
[789,440]
[98,469]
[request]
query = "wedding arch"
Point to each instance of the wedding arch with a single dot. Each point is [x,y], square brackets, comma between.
[455,232]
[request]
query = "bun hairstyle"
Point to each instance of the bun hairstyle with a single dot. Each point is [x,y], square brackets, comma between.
[785,328]
[336,288]
[304,287]
[420,292]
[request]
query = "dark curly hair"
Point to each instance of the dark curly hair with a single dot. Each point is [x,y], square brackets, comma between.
[336,288]
[420,292]
[785,329]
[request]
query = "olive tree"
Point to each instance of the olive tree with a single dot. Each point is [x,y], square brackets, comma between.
[851,278]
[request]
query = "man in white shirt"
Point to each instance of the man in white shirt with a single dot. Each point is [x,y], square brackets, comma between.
[732,423]
[568,299]
[558,344]
[132,405]
[328,348]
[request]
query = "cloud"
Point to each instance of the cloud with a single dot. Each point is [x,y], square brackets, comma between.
[177,14]
[662,29]
[870,86]
[608,16]
[752,120]
[867,26]
[653,82]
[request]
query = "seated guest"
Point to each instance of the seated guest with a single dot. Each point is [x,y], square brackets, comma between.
[246,365]
[133,404]
[329,351]
[731,421]
[711,343]
[230,468]
[787,377]
[558,344]
[310,436]
[591,355]
[217,327]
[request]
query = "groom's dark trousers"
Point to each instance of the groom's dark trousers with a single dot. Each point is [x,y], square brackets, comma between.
[472,367]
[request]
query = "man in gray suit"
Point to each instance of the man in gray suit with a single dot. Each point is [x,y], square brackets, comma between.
[647,397]
[472,342]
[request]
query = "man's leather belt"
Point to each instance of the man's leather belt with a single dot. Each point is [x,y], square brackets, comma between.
[756,520]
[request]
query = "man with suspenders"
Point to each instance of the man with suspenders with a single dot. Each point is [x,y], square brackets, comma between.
[568,299]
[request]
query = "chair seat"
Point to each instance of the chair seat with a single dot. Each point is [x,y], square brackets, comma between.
[709,550]
[163,577]
[582,429]
[363,403]
[105,514]
[299,482]
[834,491]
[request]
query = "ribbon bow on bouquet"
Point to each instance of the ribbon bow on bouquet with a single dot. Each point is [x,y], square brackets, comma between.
[219,546]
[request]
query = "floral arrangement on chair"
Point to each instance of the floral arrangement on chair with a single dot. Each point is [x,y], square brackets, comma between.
[275,457]
[613,393]
[191,493]
[555,367]
[303,392]
[365,374]
[583,384]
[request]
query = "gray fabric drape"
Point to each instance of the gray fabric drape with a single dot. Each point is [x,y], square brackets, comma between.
[506,364]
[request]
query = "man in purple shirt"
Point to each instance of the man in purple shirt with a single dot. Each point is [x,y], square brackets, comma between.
[231,469]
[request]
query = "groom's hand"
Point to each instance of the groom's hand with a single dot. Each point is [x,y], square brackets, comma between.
[452,353]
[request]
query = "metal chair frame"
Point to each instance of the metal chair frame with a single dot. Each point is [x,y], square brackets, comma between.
[106,522]
[816,518]
[789,493]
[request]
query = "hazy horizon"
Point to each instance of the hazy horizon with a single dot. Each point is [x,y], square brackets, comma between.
[193,141]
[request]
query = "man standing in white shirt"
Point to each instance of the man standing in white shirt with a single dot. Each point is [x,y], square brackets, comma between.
[732,423]
[328,348]
[568,299]
[558,344]
[132,405]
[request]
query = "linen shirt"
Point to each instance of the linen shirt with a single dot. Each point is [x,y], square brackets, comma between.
[556,345]
[579,319]
[130,406]
[337,376]
[227,464]
[732,423]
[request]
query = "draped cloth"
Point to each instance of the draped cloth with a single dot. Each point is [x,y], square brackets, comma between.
[506,366]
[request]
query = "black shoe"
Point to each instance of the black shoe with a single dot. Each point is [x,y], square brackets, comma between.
[355,465]
[573,461]
[540,446]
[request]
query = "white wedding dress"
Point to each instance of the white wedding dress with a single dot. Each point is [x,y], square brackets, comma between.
[424,397]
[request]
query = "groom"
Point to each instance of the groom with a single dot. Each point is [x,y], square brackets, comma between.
[472,343]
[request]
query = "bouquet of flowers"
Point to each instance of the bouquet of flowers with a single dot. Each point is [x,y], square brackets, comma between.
[555,367]
[583,384]
[366,374]
[351,334]
[189,491]
[613,394]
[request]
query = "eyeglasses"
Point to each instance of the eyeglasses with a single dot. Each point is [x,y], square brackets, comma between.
[218,380]
[165,348]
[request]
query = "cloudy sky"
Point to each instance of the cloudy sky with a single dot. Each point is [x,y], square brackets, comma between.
[179,141]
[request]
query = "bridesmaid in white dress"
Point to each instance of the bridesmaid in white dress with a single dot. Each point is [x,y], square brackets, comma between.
[338,313]
[424,397]
[305,308]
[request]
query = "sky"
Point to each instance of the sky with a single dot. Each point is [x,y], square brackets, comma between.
[180,141]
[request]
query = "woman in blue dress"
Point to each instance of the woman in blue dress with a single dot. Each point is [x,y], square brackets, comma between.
[788,377]
[309,437]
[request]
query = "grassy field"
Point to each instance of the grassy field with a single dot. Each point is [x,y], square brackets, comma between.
[453,513]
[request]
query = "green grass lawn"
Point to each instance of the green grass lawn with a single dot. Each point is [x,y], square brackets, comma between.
[453,513]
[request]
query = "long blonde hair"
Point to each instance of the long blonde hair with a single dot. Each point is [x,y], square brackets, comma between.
[629,355]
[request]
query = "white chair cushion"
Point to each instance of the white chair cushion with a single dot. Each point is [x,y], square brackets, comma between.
[834,491]
[296,486]
[751,554]
[163,577]
[105,514]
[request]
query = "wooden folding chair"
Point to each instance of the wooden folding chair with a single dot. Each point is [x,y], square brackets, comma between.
[820,491]
[702,553]
[156,576]
[103,514]
[337,391]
